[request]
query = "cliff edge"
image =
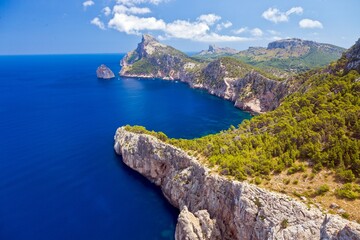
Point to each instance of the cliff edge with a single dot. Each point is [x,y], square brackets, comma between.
[213,207]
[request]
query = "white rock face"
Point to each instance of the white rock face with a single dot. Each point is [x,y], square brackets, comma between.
[213,207]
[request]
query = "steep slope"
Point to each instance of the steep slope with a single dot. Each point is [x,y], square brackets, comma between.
[213,207]
[313,136]
[249,88]
[153,59]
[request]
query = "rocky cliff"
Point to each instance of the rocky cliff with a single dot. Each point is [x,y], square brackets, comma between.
[152,59]
[225,77]
[353,57]
[104,72]
[213,207]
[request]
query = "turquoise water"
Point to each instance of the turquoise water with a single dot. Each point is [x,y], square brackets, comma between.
[59,176]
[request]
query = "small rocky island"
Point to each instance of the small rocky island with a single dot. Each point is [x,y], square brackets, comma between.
[103,72]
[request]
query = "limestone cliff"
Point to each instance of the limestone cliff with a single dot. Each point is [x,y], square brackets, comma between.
[353,57]
[226,77]
[213,207]
[152,59]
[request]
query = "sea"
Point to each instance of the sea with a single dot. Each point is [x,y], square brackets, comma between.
[59,175]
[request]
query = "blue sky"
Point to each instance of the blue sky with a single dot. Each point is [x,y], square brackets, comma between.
[112,26]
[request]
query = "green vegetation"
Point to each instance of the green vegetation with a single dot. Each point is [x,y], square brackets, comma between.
[349,191]
[238,69]
[284,223]
[143,66]
[142,130]
[319,125]
[322,190]
[293,61]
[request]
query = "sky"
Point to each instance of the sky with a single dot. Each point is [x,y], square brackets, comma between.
[116,26]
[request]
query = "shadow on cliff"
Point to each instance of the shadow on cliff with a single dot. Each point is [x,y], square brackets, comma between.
[137,177]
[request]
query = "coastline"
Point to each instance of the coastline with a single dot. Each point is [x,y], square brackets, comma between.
[194,86]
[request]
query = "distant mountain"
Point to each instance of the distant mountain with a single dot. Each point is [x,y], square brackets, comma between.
[282,58]
[291,55]
[215,52]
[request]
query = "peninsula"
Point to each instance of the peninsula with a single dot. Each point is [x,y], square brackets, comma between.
[305,145]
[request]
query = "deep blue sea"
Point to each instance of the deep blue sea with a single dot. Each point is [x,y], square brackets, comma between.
[59,176]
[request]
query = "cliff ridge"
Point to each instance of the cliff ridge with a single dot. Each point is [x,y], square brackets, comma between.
[213,207]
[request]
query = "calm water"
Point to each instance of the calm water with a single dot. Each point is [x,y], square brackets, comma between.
[59,176]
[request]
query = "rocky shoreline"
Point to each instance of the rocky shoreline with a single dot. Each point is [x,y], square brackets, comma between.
[214,207]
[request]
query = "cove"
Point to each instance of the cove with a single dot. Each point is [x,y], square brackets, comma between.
[59,175]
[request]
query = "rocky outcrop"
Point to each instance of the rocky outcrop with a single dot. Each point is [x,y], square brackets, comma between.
[152,59]
[196,226]
[216,51]
[304,46]
[213,207]
[353,57]
[248,89]
[104,72]
[257,93]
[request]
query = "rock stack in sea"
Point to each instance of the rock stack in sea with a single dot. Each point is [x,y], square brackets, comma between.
[104,72]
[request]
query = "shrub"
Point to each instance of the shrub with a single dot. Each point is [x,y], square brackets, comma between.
[296,168]
[322,190]
[349,191]
[257,181]
[345,175]
[286,181]
[284,223]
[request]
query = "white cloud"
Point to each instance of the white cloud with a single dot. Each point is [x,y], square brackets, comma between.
[214,37]
[308,23]
[209,19]
[199,30]
[130,10]
[256,32]
[223,25]
[297,10]
[136,2]
[273,32]
[240,30]
[186,30]
[106,11]
[134,25]
[97,22]
[87,4]
[275,15]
